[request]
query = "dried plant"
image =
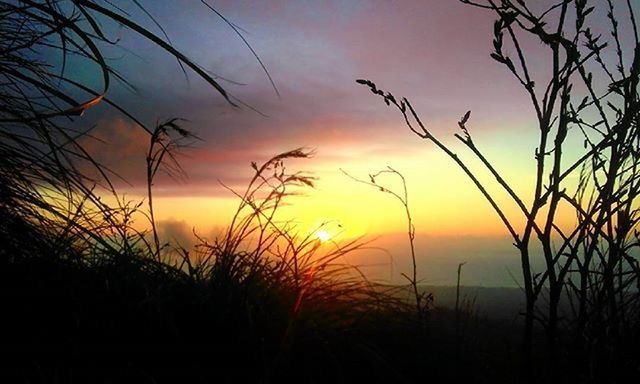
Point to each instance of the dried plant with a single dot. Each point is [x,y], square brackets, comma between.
[594,262]
[423,300]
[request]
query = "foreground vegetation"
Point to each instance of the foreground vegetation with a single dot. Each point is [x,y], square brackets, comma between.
[587,92]
[260,304]
[82,314]
[88,297]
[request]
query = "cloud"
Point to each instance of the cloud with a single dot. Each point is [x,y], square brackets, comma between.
[434,52]
[118,145]
[176,233]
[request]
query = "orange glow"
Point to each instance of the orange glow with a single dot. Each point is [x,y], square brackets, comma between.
[442,200]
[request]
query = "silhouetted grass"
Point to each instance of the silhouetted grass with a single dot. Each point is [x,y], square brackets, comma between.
[262,295]
[86,297]
[262,303]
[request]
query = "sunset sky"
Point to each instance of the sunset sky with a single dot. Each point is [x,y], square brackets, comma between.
[435,53]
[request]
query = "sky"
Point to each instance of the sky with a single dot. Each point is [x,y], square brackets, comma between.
[435,53]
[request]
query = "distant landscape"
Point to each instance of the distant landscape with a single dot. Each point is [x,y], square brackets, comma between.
[494,303]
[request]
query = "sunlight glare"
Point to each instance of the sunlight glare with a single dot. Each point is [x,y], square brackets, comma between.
[323,236]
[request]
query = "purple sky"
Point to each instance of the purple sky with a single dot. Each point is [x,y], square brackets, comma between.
[434,52]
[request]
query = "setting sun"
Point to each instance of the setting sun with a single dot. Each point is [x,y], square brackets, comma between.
[323,236]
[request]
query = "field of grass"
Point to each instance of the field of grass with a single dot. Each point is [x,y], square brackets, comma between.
[77,312]
[70,319]
[259,304]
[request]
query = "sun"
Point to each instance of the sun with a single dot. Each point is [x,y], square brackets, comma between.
[323,236]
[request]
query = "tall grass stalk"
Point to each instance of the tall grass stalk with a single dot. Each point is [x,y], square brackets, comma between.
[422,300]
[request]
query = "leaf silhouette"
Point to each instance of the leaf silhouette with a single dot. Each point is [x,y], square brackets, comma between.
[465,118]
